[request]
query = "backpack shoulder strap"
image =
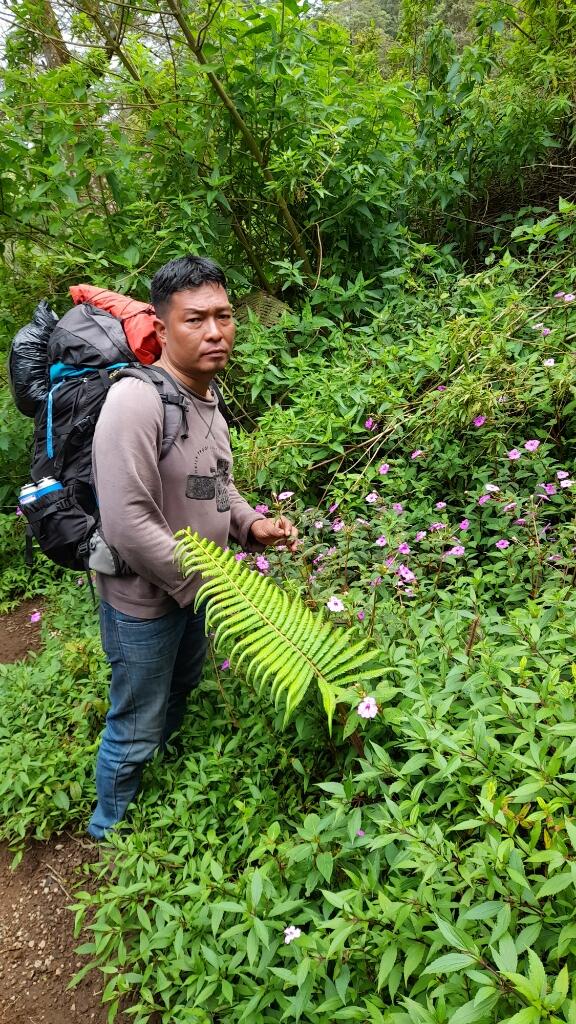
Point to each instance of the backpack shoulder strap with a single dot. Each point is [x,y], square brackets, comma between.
[223,408]
[228,416]
[174,402]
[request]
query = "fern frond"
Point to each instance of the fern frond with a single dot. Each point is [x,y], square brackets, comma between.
[274,638]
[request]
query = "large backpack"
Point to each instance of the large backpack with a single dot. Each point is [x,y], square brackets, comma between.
[86,351]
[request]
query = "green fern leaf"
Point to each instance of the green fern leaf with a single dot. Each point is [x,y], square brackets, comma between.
[276,640]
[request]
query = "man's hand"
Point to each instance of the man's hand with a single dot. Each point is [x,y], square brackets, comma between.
[271,532]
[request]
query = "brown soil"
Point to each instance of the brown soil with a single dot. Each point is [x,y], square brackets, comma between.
[19,636]
[37,958]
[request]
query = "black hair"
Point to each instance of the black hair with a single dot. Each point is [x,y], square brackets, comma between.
[178,275]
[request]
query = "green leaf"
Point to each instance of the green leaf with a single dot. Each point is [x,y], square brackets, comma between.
[557,883]
[471,1012]
[530,1015]
[387,961]
[325,865]
[537,974]
[450,962]
[454,936]
[256,886]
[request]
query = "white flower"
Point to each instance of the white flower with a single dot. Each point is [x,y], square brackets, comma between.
[335,604]
[367,708]
[566,483]
[291,933]
[491,488]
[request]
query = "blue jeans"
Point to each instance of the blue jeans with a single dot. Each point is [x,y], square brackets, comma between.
[155,664]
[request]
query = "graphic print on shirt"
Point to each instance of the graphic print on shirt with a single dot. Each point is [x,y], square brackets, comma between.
[207,488]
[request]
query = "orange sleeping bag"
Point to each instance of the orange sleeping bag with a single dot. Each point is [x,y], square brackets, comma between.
[137,318]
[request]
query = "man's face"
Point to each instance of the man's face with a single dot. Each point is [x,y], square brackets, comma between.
[197,330]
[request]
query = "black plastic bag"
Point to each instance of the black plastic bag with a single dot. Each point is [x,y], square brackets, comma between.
[28,360]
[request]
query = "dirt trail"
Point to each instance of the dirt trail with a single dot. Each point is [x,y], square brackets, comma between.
[18,635]
[37,958]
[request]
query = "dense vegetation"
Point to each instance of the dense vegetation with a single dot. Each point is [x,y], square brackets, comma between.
[399,182]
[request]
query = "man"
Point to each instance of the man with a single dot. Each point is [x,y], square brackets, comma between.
[154,641]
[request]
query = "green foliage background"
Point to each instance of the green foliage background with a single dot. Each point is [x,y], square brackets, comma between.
[402,178]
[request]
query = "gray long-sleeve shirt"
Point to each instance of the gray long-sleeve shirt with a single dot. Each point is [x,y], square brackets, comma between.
[144,500]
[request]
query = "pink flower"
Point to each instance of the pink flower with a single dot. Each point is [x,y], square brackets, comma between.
[559,295]
[502,544]
[405,573]
[562,474]
[372,497]
[403,548]
[383,469]
[514,454]
[569,297]
[262,509]
[360,832]
[437,526]
[417,453]
[361,616]
[491,488]
[550,488]
[479,421]
[464,524]
[457,550]
[381,542]
[519,522]
[441,387]
[483,499]
[420,535]
[19,511]
[284,495]
[440,505]
[370,424]
[509,507]
[337,525]
[225,665]
[262,564]
[566,483]
[334,506]
[291,933]
[335,605]
[378,579]
[240,556]
[532,446]
[398,508]
[35,617]
[318,524]
[367,708]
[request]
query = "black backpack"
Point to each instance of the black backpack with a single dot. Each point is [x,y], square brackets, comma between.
[87,352]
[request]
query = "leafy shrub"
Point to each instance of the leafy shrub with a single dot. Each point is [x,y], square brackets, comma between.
[17,579]
[50,718]
[429,882]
